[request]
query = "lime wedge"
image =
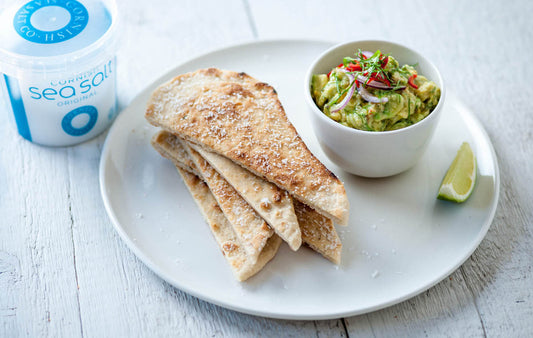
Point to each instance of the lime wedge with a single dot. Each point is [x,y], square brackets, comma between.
[460,178]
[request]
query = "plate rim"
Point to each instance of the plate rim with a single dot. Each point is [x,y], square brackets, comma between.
[276,314]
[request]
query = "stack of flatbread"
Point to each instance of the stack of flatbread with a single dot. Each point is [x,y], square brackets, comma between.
[253,178]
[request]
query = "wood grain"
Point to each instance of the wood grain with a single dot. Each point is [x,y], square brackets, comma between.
[65,272]
[37,274]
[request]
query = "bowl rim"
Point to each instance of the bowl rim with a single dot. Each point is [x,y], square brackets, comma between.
[336,124]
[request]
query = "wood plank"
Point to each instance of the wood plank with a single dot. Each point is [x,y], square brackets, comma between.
[446,309]
[499,272]
[159,37]
[38,294]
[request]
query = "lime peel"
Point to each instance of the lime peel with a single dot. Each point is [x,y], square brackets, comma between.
[460,179]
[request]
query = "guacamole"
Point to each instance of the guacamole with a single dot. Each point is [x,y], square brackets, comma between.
[372,92]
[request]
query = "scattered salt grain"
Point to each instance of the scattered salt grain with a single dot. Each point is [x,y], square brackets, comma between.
[139,215]
[265,202]
[375,274]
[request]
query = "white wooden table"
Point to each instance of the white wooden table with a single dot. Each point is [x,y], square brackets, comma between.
[64,271]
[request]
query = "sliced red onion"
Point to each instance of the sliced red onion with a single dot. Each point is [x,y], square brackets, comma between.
[348,96]
[365,94]
[367,54]
[376,84]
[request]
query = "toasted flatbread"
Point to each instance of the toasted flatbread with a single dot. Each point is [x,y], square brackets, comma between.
[318,232]
[270,202]
[241,264]
[242,119]
[251,229]
[168,146]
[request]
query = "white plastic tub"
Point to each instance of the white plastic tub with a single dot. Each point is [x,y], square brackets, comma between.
[58,68]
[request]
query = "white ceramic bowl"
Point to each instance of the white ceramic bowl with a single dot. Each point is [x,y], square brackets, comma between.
[367,153]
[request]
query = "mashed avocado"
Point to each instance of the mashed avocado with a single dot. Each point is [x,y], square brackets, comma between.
[372,92]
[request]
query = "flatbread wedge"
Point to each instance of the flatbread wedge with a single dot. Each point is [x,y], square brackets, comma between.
[250,228]
[270,202]
[242,119]
[317,230]
[319,233]
[252,231]
[241,264]
[169,146]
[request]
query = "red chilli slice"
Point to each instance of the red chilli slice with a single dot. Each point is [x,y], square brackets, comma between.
[340,65]
[411,81]
[385,62]
[352,67]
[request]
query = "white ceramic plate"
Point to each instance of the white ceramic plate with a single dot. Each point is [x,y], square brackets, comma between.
[400,241]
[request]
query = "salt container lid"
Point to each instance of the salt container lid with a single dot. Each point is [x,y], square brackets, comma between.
[45,35]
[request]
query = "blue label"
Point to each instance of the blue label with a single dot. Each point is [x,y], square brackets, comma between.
[13,90]
[37,20]
[67,126]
